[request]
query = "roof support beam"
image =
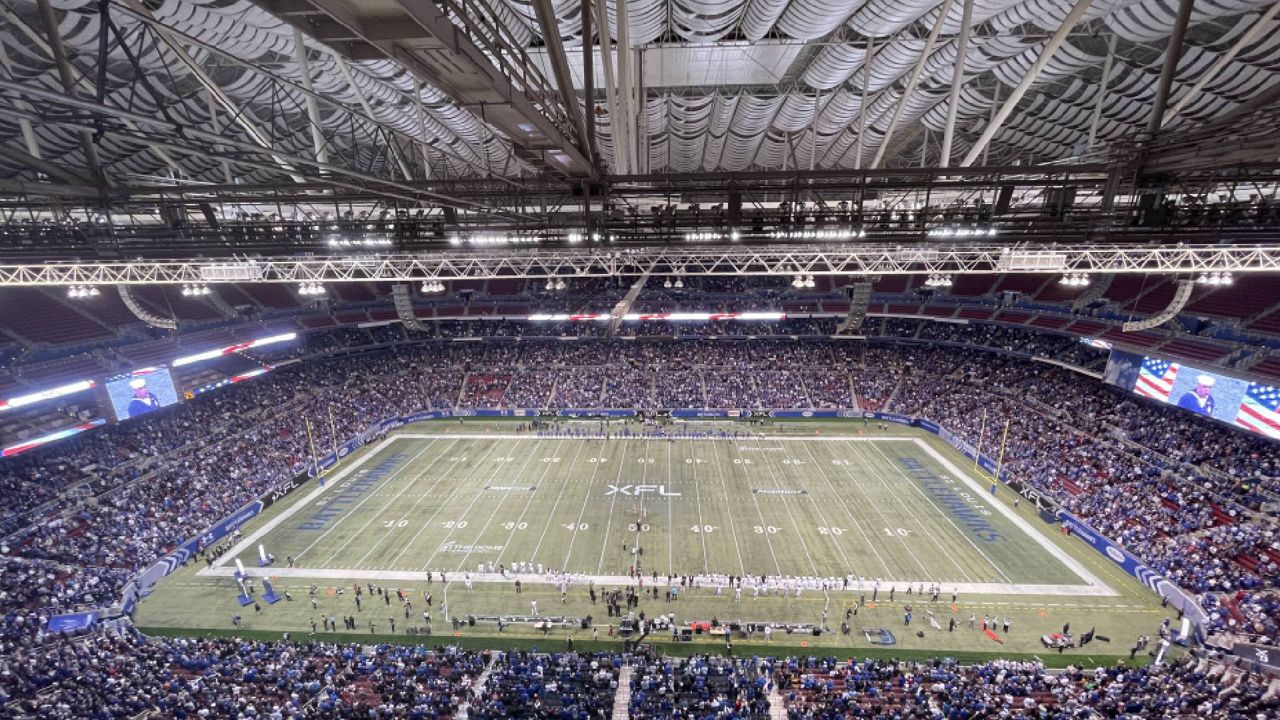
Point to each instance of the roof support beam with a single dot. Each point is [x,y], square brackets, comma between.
[1050,48]
[84,85]
[422,127]
[28,132]
[392,148]
[228,105]
[68,80]
[589,85]
[1102,94]
[313,108]
[1172,54]
[911,82]
[212,103]
[560,67]
[154,127]
[53,170]
[862,107]
[1259,26]
[625,86]
[957,79]
[610,92]
[453,48]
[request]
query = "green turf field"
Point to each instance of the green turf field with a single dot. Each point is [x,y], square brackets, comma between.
[839,502]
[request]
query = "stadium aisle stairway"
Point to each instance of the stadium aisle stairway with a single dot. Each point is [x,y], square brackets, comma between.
[622,698]
[777,710]
[476,690]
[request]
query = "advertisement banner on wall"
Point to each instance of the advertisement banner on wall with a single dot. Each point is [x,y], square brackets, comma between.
[889,417]
[72,622]
[805,413]
[1268,656]
[1133,566]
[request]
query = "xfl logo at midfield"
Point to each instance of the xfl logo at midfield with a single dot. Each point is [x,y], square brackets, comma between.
[641,490]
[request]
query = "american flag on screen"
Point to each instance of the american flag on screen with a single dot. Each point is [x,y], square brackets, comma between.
[1258,410]
[1155,379]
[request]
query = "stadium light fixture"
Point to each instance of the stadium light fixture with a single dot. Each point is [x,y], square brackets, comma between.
[49,394]
[432,286]
[939,280]
[679,283]
[81,291]
[551,285]
[1215,279]
[667,283]
[560,284]
[311,288]
[1074,280]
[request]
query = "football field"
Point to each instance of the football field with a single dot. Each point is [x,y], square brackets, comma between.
[869,513]
[888,509]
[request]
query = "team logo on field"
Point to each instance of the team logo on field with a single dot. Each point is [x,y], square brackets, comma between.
[451,547]
[779,491]
[641,490]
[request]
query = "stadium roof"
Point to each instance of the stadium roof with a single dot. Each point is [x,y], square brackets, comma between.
[389,92]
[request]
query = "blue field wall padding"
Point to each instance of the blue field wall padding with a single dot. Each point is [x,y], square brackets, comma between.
[1049,510]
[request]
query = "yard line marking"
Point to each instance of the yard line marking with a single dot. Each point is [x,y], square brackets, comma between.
[467,512]
[375,515]
[777,565]
[928,529]
[644,480]
[462,563]
[697,499]
[853,481]
[458,485]
[366,499]
[550,514]
[822,518]
[715,455]
[1072,564]
[595,468]
[888,572]
[944,515]
[604,544]
[794,525]
[671,525]
[412,507]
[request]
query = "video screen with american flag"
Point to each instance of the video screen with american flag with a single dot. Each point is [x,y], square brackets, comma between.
[1248,405]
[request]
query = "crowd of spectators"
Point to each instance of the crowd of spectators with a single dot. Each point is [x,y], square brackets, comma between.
[1182,494]
[123,675]
[700,687]
[822,689]
[534,685]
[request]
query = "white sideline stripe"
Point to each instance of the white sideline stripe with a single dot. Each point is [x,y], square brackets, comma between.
[306,501]
[789,438]
[1091,580]
[619,580]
